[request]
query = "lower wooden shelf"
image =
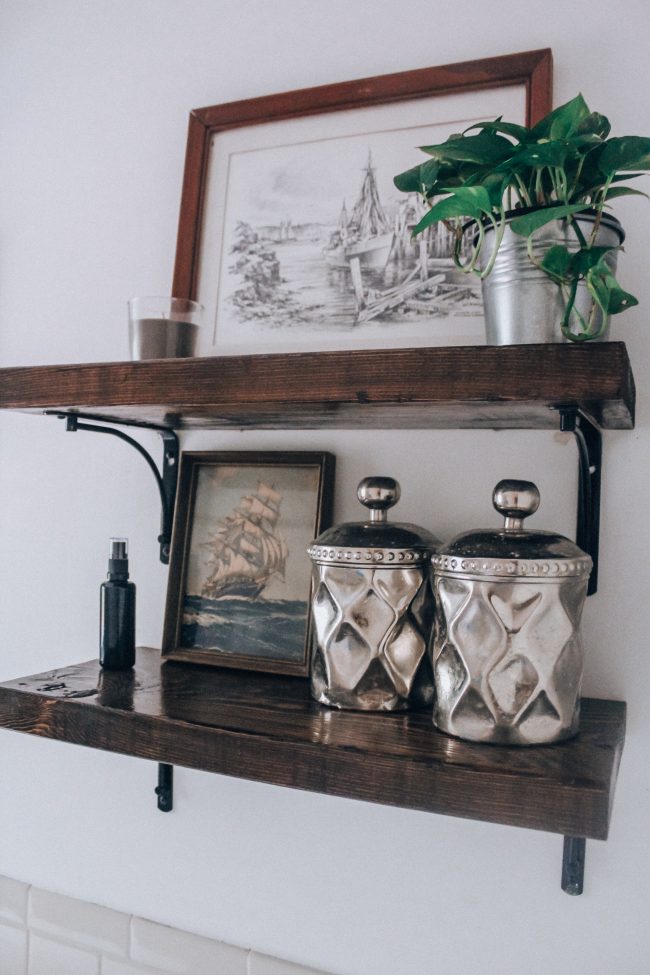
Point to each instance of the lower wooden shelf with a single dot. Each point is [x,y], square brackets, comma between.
[266,728]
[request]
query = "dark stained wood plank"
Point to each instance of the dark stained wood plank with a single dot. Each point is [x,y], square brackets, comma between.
[462,386]
[266,728]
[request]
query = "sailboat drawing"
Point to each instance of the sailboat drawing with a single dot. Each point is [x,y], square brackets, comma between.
[247,550]
[366,234]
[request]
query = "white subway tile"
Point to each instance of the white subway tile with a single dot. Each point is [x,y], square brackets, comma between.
[13,951]
[182,953]
[87,925]
[13,900]
[267,965]
[47,957]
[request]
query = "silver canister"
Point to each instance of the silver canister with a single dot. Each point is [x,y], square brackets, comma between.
[507,651]
[372,609]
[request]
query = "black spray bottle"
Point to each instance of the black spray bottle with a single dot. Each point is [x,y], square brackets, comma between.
[117,611]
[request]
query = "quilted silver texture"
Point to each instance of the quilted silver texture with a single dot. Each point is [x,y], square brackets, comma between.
[508,658]
[372,626]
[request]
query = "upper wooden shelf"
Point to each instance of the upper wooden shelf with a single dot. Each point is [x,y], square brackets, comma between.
[453,387]
[266,728]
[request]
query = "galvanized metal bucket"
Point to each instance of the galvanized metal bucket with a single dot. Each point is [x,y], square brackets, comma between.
[522,304]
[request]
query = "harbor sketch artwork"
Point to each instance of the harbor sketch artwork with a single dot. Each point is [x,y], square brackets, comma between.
[359,267]
[293,235]
[338,274]
[316,243]
[246,582]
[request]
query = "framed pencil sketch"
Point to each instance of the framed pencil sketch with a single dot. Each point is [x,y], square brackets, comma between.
[291,232]
[239,591]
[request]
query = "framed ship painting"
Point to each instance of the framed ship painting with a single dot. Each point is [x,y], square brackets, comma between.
[239,591]
[292,234]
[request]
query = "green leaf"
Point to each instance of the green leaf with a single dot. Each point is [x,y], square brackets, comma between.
[429,177]
[485,149]
[443,210]
[556,262]
[615,191]
[595,126]
[496,185]
[586,258]
[464,202]
[518,132]
[530,222]
[613,161]
[565,266]
[624,154]
[562,122]
[593,181]
[539,155]
[409,181]
[606,290]
[476,197]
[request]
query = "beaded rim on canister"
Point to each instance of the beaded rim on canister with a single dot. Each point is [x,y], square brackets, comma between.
[376,542]
[514,551]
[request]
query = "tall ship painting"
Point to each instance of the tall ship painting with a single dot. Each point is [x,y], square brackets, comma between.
[245,597]
[247,549]
[366,233]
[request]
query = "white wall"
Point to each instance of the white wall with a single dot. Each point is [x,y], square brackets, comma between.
[95,100]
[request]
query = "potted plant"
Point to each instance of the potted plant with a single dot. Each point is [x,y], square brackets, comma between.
[529,204]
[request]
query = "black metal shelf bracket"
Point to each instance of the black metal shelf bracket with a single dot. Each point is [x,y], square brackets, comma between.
[166,481]
[590,458]
[573,865]
[165,788]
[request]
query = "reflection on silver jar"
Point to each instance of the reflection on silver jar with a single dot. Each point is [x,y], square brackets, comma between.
[372,610]
[507,651]
[372,626]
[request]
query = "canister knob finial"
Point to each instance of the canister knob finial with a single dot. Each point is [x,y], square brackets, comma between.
[378,494]
[515,500]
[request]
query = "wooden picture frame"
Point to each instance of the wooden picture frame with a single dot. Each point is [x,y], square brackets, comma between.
[239,590]
[284,127]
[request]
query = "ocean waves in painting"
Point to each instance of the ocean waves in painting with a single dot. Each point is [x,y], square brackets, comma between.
[262,628]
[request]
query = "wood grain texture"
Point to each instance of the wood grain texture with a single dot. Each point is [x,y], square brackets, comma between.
[266,728]
[459,386]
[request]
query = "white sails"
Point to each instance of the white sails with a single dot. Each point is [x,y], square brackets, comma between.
[247,550]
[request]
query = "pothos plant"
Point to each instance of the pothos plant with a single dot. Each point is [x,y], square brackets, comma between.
[564,165]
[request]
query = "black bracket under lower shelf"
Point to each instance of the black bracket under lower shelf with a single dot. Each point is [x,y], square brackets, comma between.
[165,788]
[573,855]
[573,864]
[166,481]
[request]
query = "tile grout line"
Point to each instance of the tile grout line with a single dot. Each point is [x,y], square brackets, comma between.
[58,934]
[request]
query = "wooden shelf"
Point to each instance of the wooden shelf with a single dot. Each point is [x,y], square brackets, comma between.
[266,728]
[454,387]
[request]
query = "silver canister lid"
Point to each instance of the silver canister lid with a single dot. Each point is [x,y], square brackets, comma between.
[375,541]
[514,551]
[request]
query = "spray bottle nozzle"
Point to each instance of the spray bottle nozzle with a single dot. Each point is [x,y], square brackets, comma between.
[119,548]
[118,562]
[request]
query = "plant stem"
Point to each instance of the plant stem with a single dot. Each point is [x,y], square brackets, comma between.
[499,229]
[568,310]
[522,191]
